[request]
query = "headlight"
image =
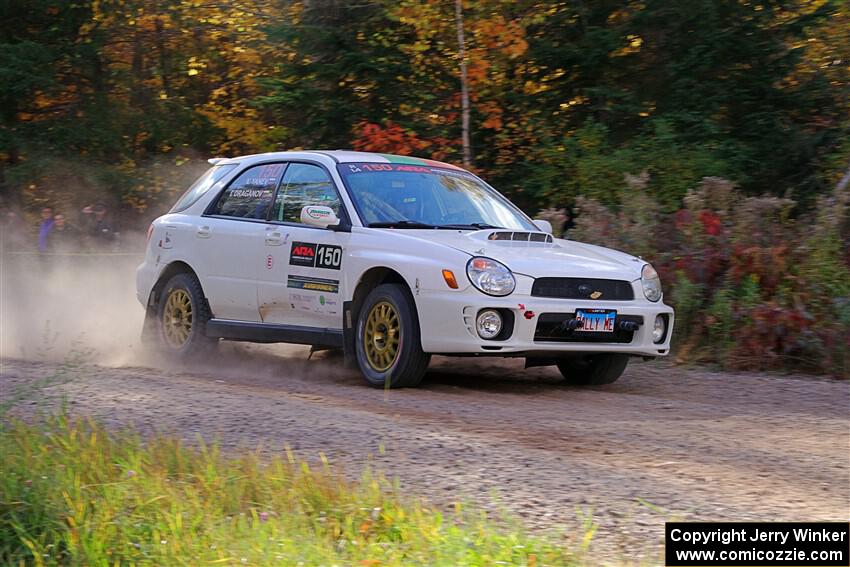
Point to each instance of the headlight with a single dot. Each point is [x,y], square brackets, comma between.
[651,283]
[490,276]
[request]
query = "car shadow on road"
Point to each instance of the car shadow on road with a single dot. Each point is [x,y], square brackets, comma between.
[497,375]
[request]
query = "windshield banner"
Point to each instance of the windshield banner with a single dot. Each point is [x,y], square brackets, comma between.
[355,168]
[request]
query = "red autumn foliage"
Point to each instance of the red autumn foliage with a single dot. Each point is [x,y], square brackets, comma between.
[388,138]
[710,222]
[753,286]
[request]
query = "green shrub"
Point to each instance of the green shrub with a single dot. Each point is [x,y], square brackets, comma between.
[687,298]
[721,323]
[752,287]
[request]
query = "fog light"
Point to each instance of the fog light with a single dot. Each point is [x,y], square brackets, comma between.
[660,328]
[489,324]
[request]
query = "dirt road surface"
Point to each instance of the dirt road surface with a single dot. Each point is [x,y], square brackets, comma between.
[662,443]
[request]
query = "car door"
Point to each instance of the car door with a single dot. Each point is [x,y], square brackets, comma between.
[300,283]
[227,238]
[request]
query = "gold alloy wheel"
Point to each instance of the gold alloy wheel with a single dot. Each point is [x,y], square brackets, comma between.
[177,318]
[381,336]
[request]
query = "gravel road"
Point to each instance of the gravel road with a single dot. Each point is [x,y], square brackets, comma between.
[662,443]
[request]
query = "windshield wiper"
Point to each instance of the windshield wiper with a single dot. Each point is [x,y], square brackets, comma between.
[401,224]
[470,226]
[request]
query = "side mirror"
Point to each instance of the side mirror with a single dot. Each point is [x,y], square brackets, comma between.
[319,216]
[543,225]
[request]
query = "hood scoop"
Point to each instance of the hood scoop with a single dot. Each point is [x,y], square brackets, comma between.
[517,236]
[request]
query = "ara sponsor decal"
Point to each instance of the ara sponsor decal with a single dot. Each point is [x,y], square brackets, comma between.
[314,255]
[302,254]
[313,284]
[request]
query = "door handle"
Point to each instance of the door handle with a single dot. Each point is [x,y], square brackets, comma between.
[274,237]
[204,232]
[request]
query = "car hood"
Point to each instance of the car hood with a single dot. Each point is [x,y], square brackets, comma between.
[558,258]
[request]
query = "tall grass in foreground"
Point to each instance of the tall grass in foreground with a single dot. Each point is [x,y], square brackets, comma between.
[70,493]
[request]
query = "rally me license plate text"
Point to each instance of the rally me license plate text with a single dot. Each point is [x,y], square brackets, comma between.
[596,320]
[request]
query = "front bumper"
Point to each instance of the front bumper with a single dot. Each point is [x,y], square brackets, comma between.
[447,322]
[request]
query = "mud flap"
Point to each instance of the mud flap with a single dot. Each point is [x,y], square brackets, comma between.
[349,333]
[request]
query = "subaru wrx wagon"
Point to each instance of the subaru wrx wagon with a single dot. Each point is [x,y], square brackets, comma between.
[390,259]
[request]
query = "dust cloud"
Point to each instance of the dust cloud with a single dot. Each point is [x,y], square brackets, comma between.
[53,307]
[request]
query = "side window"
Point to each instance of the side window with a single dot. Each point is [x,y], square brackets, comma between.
[250,195]
[200,187]
[303,184]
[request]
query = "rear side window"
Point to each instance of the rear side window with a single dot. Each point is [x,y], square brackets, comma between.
[304,184]
[200,187]
[249,196]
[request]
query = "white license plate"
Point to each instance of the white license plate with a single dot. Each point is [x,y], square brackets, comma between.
[596,320]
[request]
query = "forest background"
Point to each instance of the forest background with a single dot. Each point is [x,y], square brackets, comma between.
[708,136]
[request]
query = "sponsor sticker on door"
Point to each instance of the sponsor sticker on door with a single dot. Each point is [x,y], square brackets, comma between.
[302,254]
[313,284]
[312,255]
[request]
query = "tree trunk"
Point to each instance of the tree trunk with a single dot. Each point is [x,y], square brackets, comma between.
[464,86]
[163,58]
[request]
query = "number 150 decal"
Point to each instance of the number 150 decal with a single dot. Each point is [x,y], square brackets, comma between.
[328,256]
[313,255]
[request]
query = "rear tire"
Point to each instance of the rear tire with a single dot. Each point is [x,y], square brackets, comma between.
[182,315]
[593,369]
[388,346]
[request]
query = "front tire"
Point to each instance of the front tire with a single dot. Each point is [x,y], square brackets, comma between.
[182,315]
[388,346]
[593,369]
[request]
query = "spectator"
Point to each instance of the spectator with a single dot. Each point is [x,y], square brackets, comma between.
[62,238]
[44,228]
[99,232]
[569,220]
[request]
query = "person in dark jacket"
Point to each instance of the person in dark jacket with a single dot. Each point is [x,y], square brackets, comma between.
[99,233]
[63,238]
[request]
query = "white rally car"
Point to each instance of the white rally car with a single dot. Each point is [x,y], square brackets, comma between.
[391,259]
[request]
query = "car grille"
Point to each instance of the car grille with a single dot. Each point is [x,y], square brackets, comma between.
[583,288]
[550,328]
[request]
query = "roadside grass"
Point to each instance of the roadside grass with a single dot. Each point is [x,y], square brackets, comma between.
[73,494]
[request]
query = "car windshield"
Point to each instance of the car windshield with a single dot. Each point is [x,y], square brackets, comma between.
[415,196]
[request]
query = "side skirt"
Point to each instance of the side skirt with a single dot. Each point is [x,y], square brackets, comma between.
[268,333]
